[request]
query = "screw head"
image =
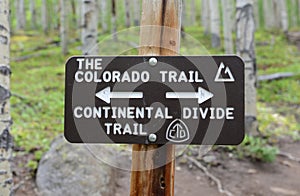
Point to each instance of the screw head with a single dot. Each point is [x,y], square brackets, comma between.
[152,137]
[152,61]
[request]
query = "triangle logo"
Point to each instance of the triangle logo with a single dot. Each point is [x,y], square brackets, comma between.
[229,77]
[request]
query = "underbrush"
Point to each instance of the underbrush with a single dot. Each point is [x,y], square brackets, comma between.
[37,85]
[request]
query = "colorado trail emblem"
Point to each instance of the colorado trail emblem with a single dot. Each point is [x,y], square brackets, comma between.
[177,131]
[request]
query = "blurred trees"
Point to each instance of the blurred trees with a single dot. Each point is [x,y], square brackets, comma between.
[87,17]
[212,15]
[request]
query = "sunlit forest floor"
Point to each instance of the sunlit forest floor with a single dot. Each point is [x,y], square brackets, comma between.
[37,85]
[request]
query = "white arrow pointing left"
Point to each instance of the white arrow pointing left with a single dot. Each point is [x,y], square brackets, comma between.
[202,95]
[106,94]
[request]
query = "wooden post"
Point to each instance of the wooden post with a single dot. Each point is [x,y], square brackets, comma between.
[153,169]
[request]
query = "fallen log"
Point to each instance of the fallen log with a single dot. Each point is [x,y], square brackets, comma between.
[275,76]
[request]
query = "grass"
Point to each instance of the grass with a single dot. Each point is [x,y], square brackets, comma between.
[38,84]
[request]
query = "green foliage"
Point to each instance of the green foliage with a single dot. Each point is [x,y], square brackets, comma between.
[32,165]
[257,148]
[38,87]
[276,122]
[38,92]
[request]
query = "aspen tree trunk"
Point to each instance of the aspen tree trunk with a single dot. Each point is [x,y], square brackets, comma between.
[79,14]
[299,10]
[45,20]
[227,25]
[214,23]
[256,13]
[6,180]
[277,13]
[294,13]
[127,13]
[245,49]
[103,16]
[193,12]
[73,8]
[33,14]
[90,27]
[284,19]
[53,6]
[146,178]
[20,14]
[114,19]
[205,16]
[63,27]
[17,5]
[269,15]
[136,11]
[183,15]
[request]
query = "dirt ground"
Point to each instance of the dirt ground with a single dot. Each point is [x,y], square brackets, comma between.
[240,177]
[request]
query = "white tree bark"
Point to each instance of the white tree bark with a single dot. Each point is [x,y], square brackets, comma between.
[246,50]
[294,13]
[6,181]
[103,15]
[45,20]
[283,16]
[17,5]
[90,27]
[74,13]
[183,15]
[227,25]
[269,14]
[137,12]
[127,13]
[205,16]
[53,6]
[256,13]
[214,23]
[79,14]
[33,14]
[20,14]
[114,19]
[299,10]
[64,26]
[193,12]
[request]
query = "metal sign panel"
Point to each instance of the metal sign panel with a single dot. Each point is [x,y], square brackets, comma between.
[154,100]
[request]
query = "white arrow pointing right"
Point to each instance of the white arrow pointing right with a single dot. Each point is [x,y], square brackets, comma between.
[202,95]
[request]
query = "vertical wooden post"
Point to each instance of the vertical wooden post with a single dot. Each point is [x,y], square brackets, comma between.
[153,170]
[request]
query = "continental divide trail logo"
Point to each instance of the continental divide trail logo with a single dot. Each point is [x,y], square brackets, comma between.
[177,131]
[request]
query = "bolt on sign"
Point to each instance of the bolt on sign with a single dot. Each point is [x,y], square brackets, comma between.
[154,100]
